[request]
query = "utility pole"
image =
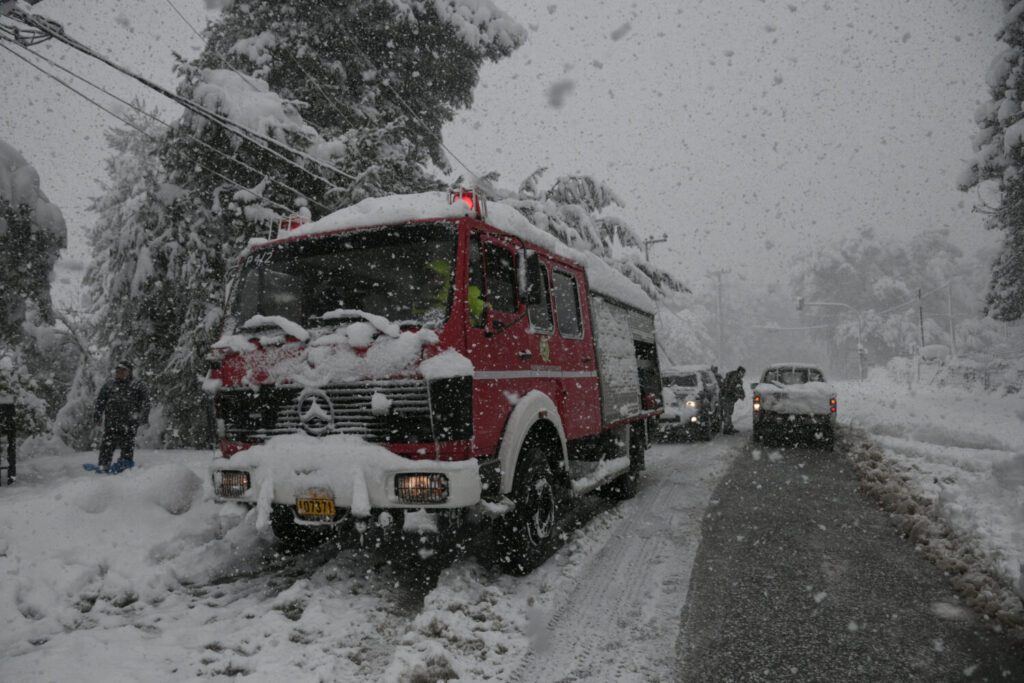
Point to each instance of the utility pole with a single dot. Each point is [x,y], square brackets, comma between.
[949,312]
[653,240]
[721,326]
[920,314]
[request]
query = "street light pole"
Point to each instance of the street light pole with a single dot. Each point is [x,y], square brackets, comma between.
[653,240]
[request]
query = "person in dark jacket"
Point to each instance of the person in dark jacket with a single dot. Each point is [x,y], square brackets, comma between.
[121,406]
[732,391]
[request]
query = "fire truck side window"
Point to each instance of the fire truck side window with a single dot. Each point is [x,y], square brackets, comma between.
[541,319]
[567,305]
[476,280]
[501,277]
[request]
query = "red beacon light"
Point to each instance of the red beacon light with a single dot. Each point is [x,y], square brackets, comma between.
[474,199]
[296,220]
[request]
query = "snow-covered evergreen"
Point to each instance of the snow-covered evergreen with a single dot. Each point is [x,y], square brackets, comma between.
[32,233]
[999,155]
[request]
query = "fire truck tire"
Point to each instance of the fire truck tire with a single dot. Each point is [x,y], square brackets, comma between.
[526,535]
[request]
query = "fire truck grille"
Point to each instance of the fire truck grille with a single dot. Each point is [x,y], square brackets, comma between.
[384,411]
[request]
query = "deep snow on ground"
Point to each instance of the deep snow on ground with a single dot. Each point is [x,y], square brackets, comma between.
[141,577]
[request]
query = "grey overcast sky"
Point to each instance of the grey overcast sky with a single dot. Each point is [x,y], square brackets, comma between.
[745,129]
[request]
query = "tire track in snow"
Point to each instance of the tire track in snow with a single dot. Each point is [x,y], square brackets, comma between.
[619,617]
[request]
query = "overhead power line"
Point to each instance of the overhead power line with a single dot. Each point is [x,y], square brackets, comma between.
[131,124]
[53,30]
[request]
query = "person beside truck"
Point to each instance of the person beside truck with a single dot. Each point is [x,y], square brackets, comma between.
[122,406]
[732,391]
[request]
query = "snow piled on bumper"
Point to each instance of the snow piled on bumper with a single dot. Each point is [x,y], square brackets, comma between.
[359,475]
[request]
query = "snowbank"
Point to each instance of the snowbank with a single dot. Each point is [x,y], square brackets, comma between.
[948,463]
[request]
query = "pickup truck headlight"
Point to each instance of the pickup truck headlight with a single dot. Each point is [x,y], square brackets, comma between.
[692,404]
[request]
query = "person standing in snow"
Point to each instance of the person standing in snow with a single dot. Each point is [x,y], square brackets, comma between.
[732,391]
[121,406]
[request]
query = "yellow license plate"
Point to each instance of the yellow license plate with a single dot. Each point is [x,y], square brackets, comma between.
[315,507]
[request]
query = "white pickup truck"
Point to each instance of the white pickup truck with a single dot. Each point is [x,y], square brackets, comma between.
[794,399]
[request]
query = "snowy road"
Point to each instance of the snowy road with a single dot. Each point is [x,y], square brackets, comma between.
[140,577]
[801,576]
[619,616]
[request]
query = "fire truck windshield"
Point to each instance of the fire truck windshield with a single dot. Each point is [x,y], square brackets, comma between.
[404,273]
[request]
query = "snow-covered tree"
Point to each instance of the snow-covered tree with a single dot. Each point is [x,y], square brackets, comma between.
[572,209]
[154,285]
[999,157]
[866,289]
[32,233]
[311,106]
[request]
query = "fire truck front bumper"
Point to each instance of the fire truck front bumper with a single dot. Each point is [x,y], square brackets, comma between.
[393,483]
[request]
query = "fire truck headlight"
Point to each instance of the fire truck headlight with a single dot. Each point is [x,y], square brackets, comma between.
[231,483]
[422,488]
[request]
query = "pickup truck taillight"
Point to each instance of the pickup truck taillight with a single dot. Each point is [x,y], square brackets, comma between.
[832,404]
[757,403]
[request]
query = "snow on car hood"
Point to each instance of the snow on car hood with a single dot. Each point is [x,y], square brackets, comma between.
[811,398]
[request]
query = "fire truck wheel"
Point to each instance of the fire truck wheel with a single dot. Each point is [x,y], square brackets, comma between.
[527,533]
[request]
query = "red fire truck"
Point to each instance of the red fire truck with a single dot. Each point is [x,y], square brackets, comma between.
[419,360]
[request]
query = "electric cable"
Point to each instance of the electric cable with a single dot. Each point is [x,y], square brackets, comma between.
[224,122]
[244,77]
[158,120]
[144,132]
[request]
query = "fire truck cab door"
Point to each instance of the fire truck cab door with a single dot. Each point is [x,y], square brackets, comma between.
[572,351]
[497,339]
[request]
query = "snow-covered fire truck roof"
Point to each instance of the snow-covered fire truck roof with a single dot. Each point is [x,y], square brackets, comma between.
[395,209]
